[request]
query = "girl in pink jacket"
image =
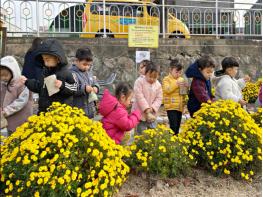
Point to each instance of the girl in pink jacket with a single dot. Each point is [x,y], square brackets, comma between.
[148,96]
[116,119]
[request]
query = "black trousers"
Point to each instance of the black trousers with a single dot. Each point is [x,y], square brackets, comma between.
[175,118]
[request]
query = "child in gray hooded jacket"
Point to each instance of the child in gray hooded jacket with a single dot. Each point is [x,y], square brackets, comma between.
[87,85]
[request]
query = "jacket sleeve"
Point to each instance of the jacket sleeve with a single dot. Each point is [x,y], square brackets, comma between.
[241,83]
[199,90]
[168,87]
[158,99]
[225,91]
[70,85]
[128,122]
[96,84]
[18,103]
[139,97]
[33,85]
[81,88]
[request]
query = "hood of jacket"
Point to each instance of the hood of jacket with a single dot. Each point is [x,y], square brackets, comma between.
[11,63]
[51,47]
[193,72]
[108,103]
[216,80]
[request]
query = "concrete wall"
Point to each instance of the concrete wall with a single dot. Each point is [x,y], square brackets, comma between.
[114,55]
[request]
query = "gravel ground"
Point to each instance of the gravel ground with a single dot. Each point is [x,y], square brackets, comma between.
[200,183]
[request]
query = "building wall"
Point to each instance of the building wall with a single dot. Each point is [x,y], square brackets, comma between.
[114,55]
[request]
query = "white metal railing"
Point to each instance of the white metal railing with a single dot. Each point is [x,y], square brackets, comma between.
[104,19]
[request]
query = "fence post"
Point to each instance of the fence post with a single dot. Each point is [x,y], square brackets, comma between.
[104,19]
[164,24]
[217,19]
[37,17]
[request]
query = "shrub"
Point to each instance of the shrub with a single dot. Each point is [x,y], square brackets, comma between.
[223,138]
[257,116]
[61,153]
[250,92]
[159,152]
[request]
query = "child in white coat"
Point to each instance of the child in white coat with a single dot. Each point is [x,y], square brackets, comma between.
[226,86]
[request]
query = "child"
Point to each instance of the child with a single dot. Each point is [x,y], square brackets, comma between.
[116,120]
[200,91]
[142,65]
[32,69]
[50,53]
[16,100]
[148,96]
[87,85]
[174,101]
[226,86]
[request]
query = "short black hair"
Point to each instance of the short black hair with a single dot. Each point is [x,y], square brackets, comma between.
[123,88]
[84,54]
[144,62]
[229,62]
[151,67]
[206,62]
[175,63]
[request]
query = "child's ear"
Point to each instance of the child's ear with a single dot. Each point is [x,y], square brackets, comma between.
[123,98]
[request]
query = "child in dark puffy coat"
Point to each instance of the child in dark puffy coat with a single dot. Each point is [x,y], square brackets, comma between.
[200,92]
[51,55]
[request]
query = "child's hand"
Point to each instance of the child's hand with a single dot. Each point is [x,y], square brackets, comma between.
[89,89]
[95,78]
[58,83]
[246,78]
[95,89]
[150,117]
[23,79]
[148,110]
[242,102]
[180,83]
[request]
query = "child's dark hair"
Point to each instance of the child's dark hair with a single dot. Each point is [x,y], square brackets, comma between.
[36,42]
[144,62]
[151,67]
[174,63]
[206,62]
[229,62]
[123,88]
[84,54]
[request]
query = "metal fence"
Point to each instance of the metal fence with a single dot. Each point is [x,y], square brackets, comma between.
[111,18]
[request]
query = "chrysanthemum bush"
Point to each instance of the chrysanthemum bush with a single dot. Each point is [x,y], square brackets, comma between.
[61,153]
[223,138]
[257,116]
[159,152]
[250,92]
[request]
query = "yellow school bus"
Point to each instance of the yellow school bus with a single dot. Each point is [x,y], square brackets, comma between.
[119,14]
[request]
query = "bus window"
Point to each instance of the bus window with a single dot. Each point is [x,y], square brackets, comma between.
[98,9]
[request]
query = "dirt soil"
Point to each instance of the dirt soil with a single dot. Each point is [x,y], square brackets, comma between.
[199,183]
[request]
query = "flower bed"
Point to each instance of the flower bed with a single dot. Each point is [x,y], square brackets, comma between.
[61,153]
[250,92]
[223,138]
[257,116]
[159,152]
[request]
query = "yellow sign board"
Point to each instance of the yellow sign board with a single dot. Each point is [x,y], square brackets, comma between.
[143,36]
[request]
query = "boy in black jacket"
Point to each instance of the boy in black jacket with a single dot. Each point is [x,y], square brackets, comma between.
[51,55]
